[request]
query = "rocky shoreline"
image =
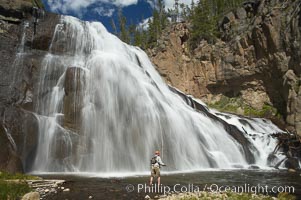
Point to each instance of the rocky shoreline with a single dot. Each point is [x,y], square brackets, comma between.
[47,187]
[41,188]
[223,196]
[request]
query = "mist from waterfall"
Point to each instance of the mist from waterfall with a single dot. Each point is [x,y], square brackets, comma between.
[103,108]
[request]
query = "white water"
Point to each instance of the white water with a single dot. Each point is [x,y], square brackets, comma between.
[122,112]
[257,131]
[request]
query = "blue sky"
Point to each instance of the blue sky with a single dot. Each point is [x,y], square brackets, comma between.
[105,10]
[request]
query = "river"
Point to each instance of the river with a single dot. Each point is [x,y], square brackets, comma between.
[81,187]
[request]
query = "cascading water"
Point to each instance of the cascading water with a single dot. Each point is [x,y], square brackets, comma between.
[17,69]
[103,108]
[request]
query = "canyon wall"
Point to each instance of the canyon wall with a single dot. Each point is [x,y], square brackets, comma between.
[253,69]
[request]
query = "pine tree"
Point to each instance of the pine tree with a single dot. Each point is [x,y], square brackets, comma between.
[183,11]
[176,10]
[124,33]
[203,24]
[204,17]
[192,5]
[114,27]
[137,38]
[157,24]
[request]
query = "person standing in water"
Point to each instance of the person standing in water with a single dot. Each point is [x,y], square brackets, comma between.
[156,163]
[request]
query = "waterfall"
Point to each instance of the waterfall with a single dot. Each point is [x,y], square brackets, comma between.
[103,108]
[17,68]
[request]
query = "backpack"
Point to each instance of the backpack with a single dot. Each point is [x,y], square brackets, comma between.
[154,160]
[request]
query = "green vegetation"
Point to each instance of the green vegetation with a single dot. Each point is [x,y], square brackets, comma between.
[237,105]
[13,190]
[204,24]
[157,24]
[13,186]
[139,36]
[226,104]
[286,196]
[17,176]
[205,17]
[247,196]
[266,111]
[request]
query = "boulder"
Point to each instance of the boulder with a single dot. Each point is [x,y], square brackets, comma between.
[9,160]
[292,163]
[23,128]
[253,167]
[31,196]
[73,100]
[241,13]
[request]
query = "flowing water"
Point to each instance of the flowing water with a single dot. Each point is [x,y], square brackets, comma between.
[103,108]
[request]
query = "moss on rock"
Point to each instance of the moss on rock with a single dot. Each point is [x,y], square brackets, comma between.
[238,106]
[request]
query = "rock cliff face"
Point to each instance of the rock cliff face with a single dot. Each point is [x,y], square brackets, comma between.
[21,53]
[257,61]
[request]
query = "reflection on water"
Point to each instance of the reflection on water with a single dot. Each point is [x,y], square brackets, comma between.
[115,188]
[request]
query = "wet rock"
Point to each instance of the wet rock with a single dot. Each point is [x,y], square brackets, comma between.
[73,99]
[272,160]
[253,167]
[292,163]
[19,74]
[10,40]
[292,170]
[74,80]
[44,32]
[23,128]
[19,140]
[238,166]
[9,160]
